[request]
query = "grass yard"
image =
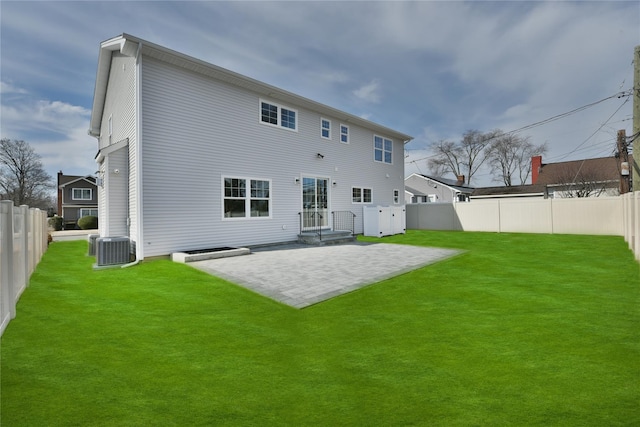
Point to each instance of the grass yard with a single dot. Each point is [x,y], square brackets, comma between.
[521,329]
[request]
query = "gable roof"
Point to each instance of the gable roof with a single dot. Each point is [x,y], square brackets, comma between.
[70,179]
[132,46]
[601,169]
[442,181]
[514,190]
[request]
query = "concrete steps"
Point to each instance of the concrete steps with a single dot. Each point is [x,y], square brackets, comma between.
[328,237]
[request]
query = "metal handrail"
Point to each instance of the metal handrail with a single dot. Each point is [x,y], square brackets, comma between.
[344,220]
[307,217]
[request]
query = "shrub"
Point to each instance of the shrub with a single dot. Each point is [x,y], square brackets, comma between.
[55,222]
[88,222]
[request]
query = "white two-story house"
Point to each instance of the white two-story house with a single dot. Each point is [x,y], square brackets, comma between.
[191,155]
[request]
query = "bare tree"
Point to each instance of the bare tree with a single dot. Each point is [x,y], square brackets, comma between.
[461,158]
[22,176]
[510,157]
[578,182]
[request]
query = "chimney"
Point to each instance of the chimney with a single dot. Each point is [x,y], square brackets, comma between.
[536,166]
[460,180]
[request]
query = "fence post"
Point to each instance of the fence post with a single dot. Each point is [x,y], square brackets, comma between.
[6,261]
[636,226]
[24,214]
[33,231]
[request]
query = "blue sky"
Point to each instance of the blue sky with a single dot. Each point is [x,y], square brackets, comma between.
[429,69]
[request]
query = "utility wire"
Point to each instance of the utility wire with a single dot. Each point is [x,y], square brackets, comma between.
[596,131]
[625,93]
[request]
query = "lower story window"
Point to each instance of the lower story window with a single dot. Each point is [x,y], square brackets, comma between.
[88,211]
[246,198]
[360,195]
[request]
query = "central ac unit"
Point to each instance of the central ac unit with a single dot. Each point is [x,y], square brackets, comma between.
[112,250]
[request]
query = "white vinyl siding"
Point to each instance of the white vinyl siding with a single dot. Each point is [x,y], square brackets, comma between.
[198,130]
[116,198]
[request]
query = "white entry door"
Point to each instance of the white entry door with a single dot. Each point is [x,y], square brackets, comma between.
[315,203]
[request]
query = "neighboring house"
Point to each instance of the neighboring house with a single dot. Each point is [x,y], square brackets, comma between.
[580,178]
[194,156]
[420,188]
[577,178]
[530,191]
[77,197]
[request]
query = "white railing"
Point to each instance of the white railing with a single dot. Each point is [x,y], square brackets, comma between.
[617,216]
[23,241]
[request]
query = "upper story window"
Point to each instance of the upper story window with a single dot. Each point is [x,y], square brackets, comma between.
[382,150]
[344,134]
[276,115]
[81,194]
[325,128]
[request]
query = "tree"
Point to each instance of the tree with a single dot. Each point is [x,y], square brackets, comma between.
[510,155]
[576,181]
[461,158]
[22,176]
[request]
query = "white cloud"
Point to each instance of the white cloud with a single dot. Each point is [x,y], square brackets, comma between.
[441,68]
[56,130]
[369,92]
[7,88]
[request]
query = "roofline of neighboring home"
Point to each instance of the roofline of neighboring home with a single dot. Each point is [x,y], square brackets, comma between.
[78,179]
[503,196]
[459,188]
[132,46]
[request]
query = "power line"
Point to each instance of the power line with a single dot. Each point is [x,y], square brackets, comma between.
[626,93]
[596,131]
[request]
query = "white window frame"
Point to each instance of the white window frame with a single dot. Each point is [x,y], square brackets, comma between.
[248,198]
[382,150]
[362,198]
[343,126]
[110,127]
[322,128]
[73,193]
[88,209]
[279,109]
[396,197]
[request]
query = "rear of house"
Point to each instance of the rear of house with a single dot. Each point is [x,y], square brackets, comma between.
[194,156]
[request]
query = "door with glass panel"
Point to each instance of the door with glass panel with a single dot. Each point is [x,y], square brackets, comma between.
[315,203]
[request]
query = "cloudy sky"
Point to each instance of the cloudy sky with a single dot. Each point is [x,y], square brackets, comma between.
[429,69]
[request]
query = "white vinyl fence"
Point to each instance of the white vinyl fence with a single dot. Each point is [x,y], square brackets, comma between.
[616,216]
[23,241]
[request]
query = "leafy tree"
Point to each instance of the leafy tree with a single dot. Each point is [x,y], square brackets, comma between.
[510,155]
[22,176]
[461,158]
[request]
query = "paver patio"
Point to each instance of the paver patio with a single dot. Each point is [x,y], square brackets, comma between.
[301,276]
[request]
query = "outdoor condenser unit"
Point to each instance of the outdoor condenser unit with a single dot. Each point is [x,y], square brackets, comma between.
[112,250]
[92,243]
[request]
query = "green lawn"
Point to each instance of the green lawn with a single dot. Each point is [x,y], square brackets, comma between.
[521,329]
